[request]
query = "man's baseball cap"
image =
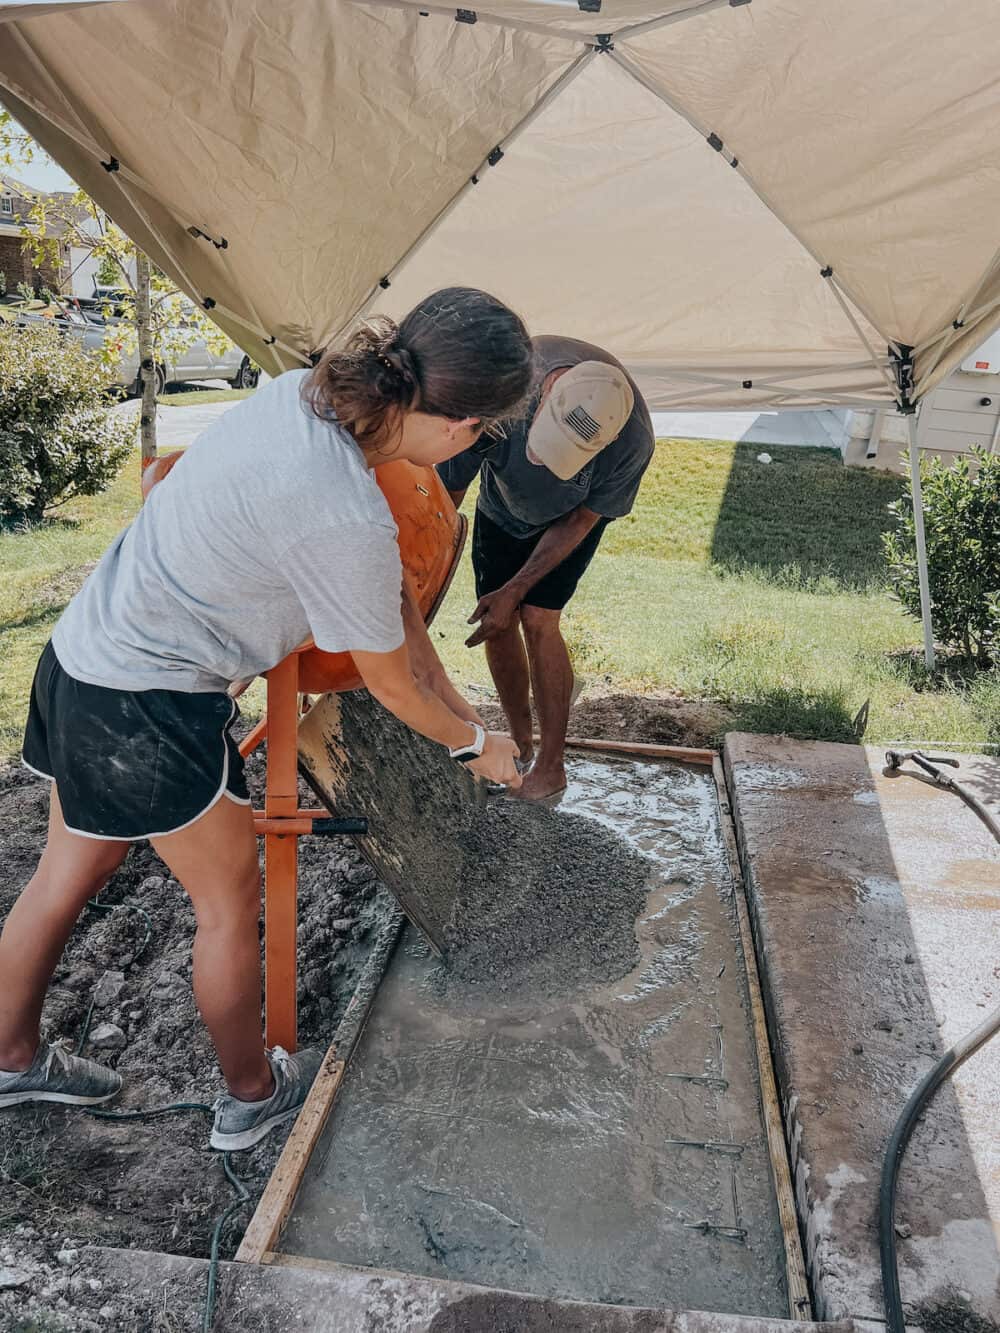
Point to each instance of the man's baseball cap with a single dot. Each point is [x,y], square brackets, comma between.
[586,409]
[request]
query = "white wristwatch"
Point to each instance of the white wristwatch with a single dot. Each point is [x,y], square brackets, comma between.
[465,753]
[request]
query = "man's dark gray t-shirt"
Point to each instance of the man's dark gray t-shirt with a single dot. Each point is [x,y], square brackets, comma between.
[523,498]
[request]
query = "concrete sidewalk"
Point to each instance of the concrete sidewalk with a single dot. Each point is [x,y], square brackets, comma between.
[876,905]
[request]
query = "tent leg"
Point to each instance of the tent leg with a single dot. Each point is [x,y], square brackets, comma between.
[916,490]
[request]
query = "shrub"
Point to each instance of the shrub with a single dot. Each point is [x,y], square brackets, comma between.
[58,438]
[962,523]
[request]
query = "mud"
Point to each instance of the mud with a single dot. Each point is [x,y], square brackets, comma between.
[547,902]
[73,1180]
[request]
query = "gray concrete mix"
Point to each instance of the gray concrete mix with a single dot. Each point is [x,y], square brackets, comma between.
[602,1145]
[876,903]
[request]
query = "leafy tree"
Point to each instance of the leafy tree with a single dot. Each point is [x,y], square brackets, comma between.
[153,320]
[58,435]
[962,525]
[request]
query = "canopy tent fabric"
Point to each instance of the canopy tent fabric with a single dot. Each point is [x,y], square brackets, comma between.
[751,203]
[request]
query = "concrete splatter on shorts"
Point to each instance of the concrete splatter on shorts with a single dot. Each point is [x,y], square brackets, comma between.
[129,764]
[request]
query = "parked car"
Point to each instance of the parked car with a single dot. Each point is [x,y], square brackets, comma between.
[93,320]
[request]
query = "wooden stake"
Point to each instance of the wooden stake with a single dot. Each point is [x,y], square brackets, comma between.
[279,1194]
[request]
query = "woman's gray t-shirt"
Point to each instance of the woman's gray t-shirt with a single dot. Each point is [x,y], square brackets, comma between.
[269,529]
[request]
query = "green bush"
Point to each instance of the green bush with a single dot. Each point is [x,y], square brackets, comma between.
[962,523]
[58,438]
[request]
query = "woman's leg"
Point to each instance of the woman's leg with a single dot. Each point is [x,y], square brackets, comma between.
[215,859]
[72,869]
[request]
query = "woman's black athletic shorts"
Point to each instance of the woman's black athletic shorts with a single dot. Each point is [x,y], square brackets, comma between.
[131,764]
[497,557]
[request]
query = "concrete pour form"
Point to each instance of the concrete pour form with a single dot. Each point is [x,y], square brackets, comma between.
[876,905]
[336,1298]
[605,1145]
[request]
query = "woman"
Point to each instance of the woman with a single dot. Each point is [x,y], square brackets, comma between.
[271,529]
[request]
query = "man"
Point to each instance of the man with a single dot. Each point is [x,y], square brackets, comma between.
[551,482]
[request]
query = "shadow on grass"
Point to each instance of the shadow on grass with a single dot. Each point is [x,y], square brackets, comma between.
[804,520]
[816,716]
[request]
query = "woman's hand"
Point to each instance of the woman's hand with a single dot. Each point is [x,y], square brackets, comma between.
[496,763]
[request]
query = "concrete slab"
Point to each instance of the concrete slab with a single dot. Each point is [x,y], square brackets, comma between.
[825,428]
[876,903]
[601,1145]
[335,1298]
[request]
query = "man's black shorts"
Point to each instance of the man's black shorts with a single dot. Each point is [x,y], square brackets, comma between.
[497,557]
[131,764]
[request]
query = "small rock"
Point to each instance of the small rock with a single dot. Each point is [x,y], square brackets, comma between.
[882,1025]
[857,1048]
[94,1283]
[108,989]
[107,1312]
[152,884]
[343,925]
[109,1036]
[67,1258]
[903,1230]
[909,958]
[136,1014]
[168,986]
[315,981]
[362,874]
[764,458]
[13,1277]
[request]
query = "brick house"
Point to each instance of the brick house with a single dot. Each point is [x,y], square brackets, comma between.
[16,200]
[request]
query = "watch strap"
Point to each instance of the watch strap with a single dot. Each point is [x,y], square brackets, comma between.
[464,753]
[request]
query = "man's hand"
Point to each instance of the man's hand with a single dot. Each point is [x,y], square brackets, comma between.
[494,612]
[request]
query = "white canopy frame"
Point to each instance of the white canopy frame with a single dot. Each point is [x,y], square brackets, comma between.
[166,221]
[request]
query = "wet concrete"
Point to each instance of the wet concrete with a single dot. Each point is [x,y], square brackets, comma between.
[602,1145]
[876,902]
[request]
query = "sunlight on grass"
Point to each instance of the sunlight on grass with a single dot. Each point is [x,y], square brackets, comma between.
[757,587]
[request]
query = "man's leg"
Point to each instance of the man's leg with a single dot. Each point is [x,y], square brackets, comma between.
[508,664]
[552,686]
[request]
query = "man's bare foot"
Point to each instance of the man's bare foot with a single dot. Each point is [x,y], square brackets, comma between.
[542,784]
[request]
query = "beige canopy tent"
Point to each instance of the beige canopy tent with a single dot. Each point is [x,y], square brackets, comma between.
[754,203]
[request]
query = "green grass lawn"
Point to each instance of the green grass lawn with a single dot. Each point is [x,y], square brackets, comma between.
[187,396]
[757,586]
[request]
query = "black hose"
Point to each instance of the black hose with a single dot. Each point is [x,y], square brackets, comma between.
[929,1084]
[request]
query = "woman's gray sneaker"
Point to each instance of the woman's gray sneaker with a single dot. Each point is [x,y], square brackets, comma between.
[242,1124]
[57,1076]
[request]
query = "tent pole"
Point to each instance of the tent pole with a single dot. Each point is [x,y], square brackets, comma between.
[916,490]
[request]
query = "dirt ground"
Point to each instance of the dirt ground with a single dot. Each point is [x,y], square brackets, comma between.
[663,719]
[68,1180]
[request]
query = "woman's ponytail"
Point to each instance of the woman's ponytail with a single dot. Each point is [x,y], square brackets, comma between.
[461,353]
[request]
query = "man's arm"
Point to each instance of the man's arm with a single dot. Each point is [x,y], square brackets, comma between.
[495,611]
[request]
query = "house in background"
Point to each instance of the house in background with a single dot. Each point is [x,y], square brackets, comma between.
[16,202]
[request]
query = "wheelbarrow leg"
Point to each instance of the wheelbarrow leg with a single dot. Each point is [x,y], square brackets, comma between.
[281,857]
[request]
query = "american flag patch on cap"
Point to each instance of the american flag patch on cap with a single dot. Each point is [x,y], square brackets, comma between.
[582,423]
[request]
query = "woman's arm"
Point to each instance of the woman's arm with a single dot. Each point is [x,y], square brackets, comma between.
[390,679]
[425,663]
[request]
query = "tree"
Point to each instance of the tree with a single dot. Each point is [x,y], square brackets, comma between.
[58,436]
[962,524]
[150,317]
